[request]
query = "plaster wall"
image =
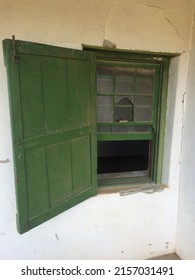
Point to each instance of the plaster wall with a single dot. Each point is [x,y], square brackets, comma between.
[107,226]
[185,245]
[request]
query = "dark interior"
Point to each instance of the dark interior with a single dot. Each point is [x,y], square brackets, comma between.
[123,156]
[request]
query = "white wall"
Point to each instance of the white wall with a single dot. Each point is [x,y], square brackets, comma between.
[107,226]
[186,218]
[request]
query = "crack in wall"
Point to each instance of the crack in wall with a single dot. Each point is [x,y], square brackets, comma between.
[107,18]
[166,18]
[5,161]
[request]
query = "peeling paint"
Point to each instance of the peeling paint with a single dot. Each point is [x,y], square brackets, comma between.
[5,161]
[167,245]
[56,236]
[183,98]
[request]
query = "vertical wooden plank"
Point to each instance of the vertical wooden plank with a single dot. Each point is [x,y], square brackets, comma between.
[59,171]
[73,67]
[37,183]
[85,97]
[93,123]
[31,95]
[17,136]
[55,94]
[81,150]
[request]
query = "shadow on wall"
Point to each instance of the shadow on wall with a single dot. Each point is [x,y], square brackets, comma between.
[170,113]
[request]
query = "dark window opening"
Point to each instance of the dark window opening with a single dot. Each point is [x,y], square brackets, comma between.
[123,158]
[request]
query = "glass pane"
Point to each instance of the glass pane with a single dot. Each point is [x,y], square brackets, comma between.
[124,86]
[144,101]
[105,77]
[103,70]
[121,129]
[143,114]
[125,72]
[141,129]
[104,85]
[103,129]
[144,87]
[124,80]
[141,72]
[104,100]
[104,114]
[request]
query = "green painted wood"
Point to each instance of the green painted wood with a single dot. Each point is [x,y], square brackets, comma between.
[162,121]
[125,124]
[131,54]
[92,113]
[30,71]
[55,137]
[52,108]
[59,172]
[127,62]
[120,136]
[53,211]
[17,136]
[37,181]
[55,94]
[24,47]
[85,100]
[74,71]
[81,173]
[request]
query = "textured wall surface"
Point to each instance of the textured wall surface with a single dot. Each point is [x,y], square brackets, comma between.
[185,245]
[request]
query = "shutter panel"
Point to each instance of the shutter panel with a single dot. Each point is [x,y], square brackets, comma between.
[52,105]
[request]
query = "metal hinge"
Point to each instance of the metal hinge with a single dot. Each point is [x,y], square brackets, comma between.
[14,53]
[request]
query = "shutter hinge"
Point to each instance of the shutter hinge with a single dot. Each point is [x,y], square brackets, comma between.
[15,56]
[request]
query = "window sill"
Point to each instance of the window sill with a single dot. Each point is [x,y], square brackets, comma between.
[123,189]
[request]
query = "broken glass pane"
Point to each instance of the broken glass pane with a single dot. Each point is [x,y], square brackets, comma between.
[123,110]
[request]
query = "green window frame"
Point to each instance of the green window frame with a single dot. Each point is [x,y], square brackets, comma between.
[155,127]
[52,96]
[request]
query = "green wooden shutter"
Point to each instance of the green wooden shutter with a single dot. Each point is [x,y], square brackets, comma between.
[52,105]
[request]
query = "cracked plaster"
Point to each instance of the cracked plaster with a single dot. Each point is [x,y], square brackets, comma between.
[107,19]
[165,16]
[149,25]
[5,161]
